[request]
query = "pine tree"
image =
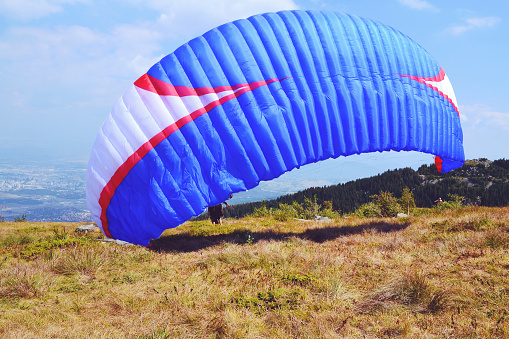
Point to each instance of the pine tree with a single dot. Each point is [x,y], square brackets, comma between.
[407,199]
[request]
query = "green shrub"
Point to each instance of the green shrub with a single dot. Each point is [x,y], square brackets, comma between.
[69,285]
[310,208]
[284,212]
[417,212]
[388,205]
[299,210]
[382,204]
[14,239]
[306,279]
[327,211]
[369,210]
[32,229]
[278,299]
[200,228]
[455,202]
[44,246]
[261,212]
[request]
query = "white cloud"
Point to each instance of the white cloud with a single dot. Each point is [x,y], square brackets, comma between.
[485,131]
[32,9]
[473,23]
[56,77]
[183,19]
[59,83]
[483,116]
[73,65]
[94,59]
[418,4]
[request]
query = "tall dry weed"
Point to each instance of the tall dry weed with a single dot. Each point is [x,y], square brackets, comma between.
[75,260]
[412,290]
[24,280]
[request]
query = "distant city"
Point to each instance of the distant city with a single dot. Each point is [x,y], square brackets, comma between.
[43,192]
[56,191]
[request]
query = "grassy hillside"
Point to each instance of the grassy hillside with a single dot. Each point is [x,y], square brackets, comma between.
[439,275]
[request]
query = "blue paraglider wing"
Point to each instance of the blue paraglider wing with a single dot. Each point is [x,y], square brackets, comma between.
[252,99]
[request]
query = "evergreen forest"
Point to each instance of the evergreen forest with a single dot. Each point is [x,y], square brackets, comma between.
[481,182]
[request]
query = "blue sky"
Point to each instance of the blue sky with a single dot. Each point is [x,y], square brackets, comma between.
[64,63]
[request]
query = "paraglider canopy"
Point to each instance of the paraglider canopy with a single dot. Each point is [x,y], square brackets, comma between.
[255,98]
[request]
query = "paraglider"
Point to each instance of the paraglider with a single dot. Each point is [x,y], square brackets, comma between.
[255,98]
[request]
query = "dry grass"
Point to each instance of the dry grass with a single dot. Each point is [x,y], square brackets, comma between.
[434,276]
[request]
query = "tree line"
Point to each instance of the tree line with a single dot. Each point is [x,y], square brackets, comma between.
[481,182]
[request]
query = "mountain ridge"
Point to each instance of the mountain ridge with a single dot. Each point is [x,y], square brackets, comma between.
[480,181]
